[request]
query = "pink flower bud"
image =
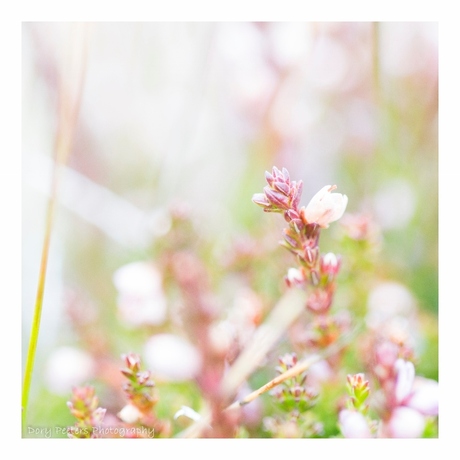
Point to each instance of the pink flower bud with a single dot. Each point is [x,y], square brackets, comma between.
[260,199]
[330,264]
[295,277]
[325,207]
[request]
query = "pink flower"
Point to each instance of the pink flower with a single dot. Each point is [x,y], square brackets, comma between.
[325,207]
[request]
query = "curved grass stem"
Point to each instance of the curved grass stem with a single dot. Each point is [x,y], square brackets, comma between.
[69,103]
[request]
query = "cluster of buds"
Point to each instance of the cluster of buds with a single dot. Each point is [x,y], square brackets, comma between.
[293,394]
[84,406]
[295,399]
[301,237]
[139,388]
[358,389]
[139,391]
[352,420]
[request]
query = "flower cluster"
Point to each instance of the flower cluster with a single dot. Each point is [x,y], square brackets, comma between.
[295,399]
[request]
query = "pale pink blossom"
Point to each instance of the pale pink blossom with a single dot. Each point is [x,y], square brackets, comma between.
[325,207]
[353,424]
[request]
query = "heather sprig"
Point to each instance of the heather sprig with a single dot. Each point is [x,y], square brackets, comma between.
[315,271]
[294,395]
[140,392]
[139,388]
[84,406]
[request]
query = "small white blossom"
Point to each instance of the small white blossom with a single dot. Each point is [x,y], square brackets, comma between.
[130,414]
[325,207]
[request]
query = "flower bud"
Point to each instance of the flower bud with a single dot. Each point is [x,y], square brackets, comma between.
[330,264]
[295,277]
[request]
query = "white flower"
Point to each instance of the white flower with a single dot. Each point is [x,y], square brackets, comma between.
[353,424]
[418,393]
[141,299]
[425,396]
[68,367]
[325,207]
[406,423]
[171,357]
[405,374]
[130,414]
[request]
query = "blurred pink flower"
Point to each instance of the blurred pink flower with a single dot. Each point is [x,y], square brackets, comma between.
[353,424]
[325,207]
[141,299]
[171,357]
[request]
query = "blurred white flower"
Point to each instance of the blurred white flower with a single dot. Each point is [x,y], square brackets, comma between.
[141,299]
[130,414]
[424,397]
[406,422]
[417,397]
[325,207]
[405,374]
[68,367]
[392,312]
[353,424]
[171,357]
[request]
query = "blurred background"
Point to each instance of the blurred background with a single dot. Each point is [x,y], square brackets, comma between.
[182,119]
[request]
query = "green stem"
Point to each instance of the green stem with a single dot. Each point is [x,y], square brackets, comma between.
[38,303]
[68,114]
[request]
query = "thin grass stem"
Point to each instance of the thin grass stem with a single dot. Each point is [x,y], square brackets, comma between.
[69,104]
